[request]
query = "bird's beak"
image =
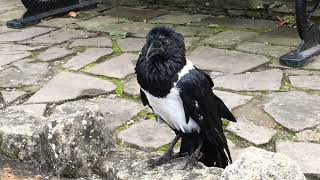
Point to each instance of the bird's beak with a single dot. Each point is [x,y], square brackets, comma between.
[154,49]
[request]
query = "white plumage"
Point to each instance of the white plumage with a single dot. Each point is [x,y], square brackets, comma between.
[170,108]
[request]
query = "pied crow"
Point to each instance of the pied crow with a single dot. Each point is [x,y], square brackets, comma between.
[181,96]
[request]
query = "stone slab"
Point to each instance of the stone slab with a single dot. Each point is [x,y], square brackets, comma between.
[131,44]
[222,60]
[13,57]
[98,42]
[147,134]
[230,38]
[60,22]
[57,90]
[309,135]
[24,73]
[117,67]
[110,24]
[232,100]
[241,23]
[20,35]
[132,87]
[251,132]
[178,18]
[135,14]
[294,110]
[87,57]
[117,111]
[306,82]
[263,49]
[36,110]
[58,37]
[12,96]
[306,154]
[281,36]
[54,53]
[199,31]
[269,80]
[9,15]
[315,64]
[4,29]
[254,113]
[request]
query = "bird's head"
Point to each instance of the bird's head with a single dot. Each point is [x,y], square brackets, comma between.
[164,43]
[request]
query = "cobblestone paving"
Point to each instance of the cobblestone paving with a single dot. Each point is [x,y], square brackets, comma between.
[92,57]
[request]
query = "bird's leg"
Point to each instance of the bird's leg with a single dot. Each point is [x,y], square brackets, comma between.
[195,156]
[167,156]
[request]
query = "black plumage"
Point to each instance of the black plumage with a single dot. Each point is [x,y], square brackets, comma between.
[181,96]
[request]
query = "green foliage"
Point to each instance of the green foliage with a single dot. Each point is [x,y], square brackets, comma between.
[116,49]
[120,34]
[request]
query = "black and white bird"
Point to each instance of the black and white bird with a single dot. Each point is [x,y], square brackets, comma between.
[181,96]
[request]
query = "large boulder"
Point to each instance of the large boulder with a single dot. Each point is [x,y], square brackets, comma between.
[74,138]
[257,163]
[132,164]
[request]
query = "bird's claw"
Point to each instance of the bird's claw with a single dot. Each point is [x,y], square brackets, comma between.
[193,161]
[163,159]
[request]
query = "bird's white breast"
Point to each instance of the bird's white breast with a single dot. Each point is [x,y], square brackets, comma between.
[170,108]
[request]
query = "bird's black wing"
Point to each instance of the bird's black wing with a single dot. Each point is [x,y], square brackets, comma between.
[144,99]
[203,106]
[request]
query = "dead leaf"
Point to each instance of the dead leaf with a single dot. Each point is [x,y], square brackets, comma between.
[72,14]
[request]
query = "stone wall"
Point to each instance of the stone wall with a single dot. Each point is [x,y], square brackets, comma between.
[251,8]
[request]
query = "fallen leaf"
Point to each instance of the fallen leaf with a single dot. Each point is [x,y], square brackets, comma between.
[72,14]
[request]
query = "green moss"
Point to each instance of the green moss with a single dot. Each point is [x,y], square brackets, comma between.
[283,135]
[146,114]
[289,20]
[164,148]
[80,49]
[120,34]
[225,122]
[116,49]
[217,28]
[88,66]
[35,54]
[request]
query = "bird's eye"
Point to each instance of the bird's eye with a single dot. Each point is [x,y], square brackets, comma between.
[167,41]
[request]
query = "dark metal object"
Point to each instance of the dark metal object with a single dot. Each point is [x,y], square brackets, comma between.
[309,34]
[41,9]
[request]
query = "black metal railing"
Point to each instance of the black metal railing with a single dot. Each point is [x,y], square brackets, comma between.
[41,9]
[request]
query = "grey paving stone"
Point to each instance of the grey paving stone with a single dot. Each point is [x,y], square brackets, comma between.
[10,53]
[294,110]
[306,154]
[235,151]
[4,29]
[301,72]
[117,67]
[24,73]
[263,49]
[189,41]
[281,36]
[58,37]
[23,34]
[87,57]
[92,42]
[309,135]
[232,100]
[230,38]
[269,80]
[117,111]
[131,44]
[307,82]
[110,24]
[225,60]
[132,87]
[67,85]
[254,113]
[314,64]
[251,132]
[13,57]
[9,15]
[261,25]
[199,31]
[135,14]
[147,134]
[60,22]
[54,53]
[36,110]
[178,18]
[11,96]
